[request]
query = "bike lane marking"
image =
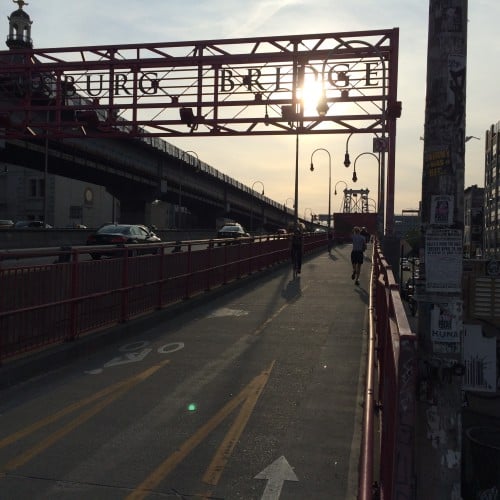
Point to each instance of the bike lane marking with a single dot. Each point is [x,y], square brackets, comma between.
[135,352]
[223,453]
[109,394]
[248,396]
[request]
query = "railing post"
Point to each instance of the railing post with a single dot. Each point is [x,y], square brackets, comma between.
[125,291]
[188,274]
[75,266]
[161,272]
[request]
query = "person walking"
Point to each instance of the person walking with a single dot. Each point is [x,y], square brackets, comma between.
[296,249]
[330,240]
[357,253]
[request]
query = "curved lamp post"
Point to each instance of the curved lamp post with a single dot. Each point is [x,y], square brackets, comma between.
[183,155]
[389,113]
[329,180]
[337,183]
[251,209]
[342,204]
[347,160]
[380,206]
[294,114]
[286,208]
[354,175]
[261,183]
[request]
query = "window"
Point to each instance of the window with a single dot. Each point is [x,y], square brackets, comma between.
[75,212]
[36,188]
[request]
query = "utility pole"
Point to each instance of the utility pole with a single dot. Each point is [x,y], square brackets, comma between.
[439,427]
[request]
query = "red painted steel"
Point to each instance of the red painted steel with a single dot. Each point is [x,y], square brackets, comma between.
[243,86]
[397,380]
[58,302]
[49,304]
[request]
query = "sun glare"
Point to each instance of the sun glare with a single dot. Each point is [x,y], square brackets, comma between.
[310,94]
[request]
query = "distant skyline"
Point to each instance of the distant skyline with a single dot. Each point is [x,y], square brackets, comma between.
[271,160]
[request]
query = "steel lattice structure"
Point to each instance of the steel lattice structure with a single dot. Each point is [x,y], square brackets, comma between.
[228,87]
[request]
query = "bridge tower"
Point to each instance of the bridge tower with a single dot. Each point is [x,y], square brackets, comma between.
[356,201]
[19,28]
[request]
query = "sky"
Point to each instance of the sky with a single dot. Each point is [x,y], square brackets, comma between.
[270,161]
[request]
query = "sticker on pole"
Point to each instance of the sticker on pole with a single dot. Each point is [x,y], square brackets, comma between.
[443,260]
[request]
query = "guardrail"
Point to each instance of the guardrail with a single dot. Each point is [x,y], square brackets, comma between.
[392,356]
[59,301]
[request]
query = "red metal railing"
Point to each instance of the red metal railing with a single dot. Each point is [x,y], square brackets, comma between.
[393,350]
[59,301]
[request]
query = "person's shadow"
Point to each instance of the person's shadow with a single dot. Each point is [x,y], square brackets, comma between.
[292,290]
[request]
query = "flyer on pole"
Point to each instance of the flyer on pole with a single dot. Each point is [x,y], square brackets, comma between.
[443,260]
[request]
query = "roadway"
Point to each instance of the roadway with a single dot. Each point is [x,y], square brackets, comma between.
[251,392]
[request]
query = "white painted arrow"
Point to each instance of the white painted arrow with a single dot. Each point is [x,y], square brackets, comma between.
[276,474]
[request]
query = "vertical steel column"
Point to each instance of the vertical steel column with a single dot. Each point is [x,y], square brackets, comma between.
[439,296]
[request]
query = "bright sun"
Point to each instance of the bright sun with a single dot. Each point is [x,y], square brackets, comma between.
[311,94]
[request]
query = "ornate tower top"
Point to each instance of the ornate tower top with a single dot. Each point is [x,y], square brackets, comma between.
[20,3]
[19,28]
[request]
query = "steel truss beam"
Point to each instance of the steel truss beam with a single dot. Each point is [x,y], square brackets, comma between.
[252,86]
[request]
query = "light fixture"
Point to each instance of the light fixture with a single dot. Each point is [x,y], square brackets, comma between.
[288,113]
[322,107]
[187,116]
[347,160]
[354,175]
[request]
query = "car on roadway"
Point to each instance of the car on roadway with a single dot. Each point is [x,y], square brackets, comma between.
[232,231]
[6,224]
[31,224]
[121,234]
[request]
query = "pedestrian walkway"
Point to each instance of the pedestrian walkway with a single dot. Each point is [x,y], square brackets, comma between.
[312,330]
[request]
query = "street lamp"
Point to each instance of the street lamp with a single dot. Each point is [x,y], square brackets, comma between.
[293,114]
[337,183]
[354,175]
[380,204]
[286,211]
[261,183]
[183,155]
[251,207]
[347,160]
[329,180]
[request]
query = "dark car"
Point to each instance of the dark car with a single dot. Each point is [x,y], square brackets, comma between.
[121,234]
[233,231]
[31,224]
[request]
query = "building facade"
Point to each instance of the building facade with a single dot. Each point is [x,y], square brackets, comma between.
[491,193]
[28,194]
[473,222]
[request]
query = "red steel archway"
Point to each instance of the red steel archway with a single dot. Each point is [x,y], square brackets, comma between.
[249,86]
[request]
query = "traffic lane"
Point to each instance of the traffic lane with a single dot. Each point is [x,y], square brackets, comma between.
[29,258]
[221,353]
